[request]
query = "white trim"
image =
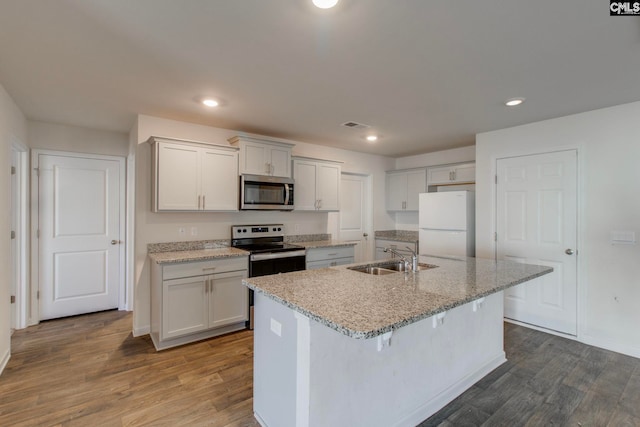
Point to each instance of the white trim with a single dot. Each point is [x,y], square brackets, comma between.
[541,329]
[5,360]
[303,369]
[22,231]
[35,220]
[130,232]
[144,330]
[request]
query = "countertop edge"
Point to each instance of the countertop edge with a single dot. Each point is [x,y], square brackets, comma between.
[397,325]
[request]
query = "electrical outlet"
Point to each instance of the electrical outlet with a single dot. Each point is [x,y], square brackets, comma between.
[194,231]
[296,228]
[182,231]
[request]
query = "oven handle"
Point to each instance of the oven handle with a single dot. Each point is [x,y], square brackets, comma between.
[276,255]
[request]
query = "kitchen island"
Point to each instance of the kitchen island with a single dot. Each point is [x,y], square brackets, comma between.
[340,347]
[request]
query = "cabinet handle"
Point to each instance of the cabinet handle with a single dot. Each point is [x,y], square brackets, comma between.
[203,202]
[272,168]
[267,168]
[333,254]
[454,175]
[199,201]
[208,268]
[319,203]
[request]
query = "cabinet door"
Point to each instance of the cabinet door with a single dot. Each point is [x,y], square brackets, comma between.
[219,180]
[328,186]
[440,175]
[280,161]
[178,177]
[184,306]
[416,184]
[229,300]
[396,191]
[304,189]
[255,158]
[465,173]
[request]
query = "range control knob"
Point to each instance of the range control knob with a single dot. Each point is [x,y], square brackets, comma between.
[244,230]
[279,229]
[274,229]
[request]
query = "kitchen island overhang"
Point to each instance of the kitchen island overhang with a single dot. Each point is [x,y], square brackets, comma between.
[339,347]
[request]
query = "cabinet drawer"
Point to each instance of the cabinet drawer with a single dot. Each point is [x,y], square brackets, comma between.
[319,254]
[199,268]
[326,263]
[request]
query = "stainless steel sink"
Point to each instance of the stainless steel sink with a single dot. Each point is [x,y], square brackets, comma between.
[382,268]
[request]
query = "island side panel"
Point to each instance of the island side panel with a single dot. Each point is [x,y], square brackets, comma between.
[275,363]
[423,369]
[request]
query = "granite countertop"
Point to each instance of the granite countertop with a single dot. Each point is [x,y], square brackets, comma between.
[323,244]
[365,306]
[397,235]
[196,255]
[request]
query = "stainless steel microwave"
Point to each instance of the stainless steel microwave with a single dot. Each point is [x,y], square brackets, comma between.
[260,192]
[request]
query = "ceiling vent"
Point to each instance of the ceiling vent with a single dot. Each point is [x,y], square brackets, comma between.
[354,125]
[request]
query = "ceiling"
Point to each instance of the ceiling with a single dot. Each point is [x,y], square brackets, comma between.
[425,75]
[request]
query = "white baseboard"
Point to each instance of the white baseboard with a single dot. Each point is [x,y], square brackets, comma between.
[538,328]
[144,330]
[5,360]
[629,350]
[447,396]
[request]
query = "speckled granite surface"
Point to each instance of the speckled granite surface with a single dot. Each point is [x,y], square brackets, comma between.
[399,235]
[295,238]
[196,255]
[187,246]
[364,306]
[323,244]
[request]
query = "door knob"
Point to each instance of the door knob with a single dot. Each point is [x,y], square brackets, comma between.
[569,252]
[114,242]
[365,234]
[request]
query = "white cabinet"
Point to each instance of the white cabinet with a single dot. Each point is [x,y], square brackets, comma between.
[317,184]
[397,245]
[193,176]
[329,257]
[261,157]
[403,188]
[197,300]
[454,174]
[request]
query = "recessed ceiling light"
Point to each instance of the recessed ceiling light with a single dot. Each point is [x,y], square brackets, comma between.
[210,102]
[325,4]
[372,138]
[513,102]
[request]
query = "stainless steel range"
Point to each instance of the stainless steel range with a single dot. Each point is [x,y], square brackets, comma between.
[269,254]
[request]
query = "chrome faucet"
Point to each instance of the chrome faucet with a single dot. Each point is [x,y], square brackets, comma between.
[414,257]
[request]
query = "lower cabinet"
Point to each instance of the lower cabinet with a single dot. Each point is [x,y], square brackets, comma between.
[329,257]
[197,300]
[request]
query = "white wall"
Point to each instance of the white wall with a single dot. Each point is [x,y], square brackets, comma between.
[57,137]
[163,227]
[608,141]
[13,125]
[409,220]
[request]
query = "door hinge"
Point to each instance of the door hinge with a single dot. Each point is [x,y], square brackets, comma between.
[38,233]
[496,176]
[13,299]
[37,171]
[13,234]
[37,294]
[13,170]
[495,237]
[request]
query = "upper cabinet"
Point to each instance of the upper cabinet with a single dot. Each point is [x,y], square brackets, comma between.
[190,176]
[317,184]
[262,157]
[403,188]
[464,173]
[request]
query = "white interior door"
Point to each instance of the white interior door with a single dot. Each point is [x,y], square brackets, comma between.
[80,210]
[355,214]
[537,224]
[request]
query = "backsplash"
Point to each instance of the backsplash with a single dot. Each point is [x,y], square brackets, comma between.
[187,246]
[306,237]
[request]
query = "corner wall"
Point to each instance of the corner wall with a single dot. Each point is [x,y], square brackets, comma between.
[162,227]
[13,124]
[608,143]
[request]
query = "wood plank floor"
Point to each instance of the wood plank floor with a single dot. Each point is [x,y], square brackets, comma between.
[89,371]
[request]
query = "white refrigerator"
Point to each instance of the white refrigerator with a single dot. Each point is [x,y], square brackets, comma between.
[447,224]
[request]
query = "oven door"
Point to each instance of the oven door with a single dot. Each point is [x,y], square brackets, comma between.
[266,193]
[263,264]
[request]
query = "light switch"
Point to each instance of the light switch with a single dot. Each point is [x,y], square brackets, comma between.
[623,237]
